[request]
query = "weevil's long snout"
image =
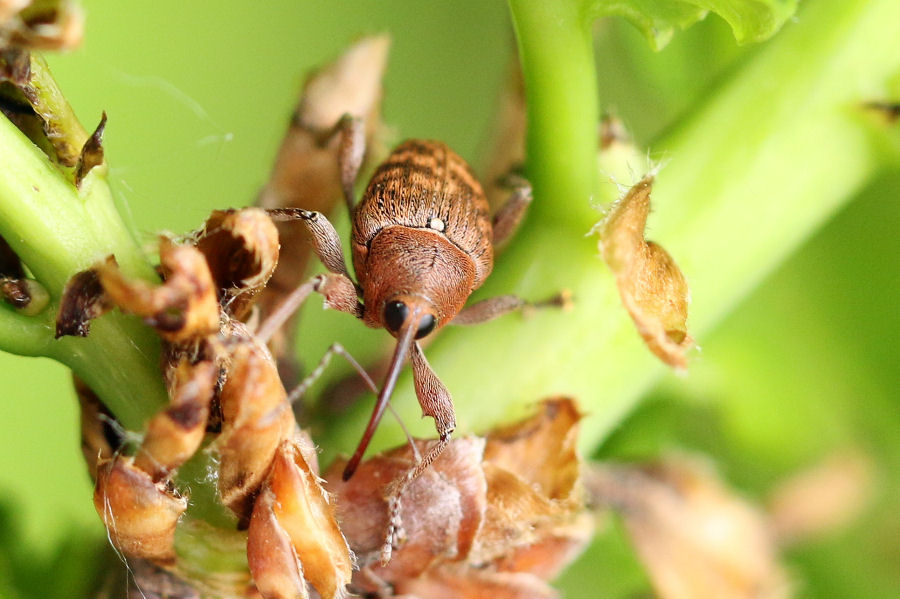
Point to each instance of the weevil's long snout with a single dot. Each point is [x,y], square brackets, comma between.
[407,332]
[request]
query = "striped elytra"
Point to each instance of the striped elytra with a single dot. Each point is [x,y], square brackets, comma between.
[421,233]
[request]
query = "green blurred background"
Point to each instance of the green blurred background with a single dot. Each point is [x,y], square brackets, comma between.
[198,95]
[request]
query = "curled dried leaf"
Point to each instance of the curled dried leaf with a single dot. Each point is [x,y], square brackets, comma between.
[652,287]
[696,537]
[140,514]
[184,307]
[293,532]
[44,25]
[241,248]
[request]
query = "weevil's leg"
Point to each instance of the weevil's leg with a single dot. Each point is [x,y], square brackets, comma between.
[338,290]
[326,242]
[437,403]
[509,216]
[351,152]
[336,348]
[491,308]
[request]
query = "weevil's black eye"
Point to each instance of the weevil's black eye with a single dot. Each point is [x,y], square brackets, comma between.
[426,325]
[395,314]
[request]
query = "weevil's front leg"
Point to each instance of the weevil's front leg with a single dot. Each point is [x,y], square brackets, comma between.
[326,243]
[508,218]
[339,293]
[437,403]
[491,308]
[351,152]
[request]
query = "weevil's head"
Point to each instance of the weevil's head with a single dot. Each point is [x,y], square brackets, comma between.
[408,311]
[413,278]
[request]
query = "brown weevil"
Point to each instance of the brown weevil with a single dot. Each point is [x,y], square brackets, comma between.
[422,241]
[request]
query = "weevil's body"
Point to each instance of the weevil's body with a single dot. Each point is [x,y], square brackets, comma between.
[421,233]
[422,242]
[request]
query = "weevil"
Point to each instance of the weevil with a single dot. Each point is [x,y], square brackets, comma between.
[422,241]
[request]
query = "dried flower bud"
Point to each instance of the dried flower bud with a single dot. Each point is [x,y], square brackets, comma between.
[651,285]
[256,419]
[306,172]
[487,519]
[695,537]
[140,515]
[46,25]
[441,510]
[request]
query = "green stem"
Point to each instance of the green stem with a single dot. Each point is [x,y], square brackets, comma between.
[557,56]
[752,173]
[58,230]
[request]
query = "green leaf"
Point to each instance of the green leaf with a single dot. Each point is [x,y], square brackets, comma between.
[750,20]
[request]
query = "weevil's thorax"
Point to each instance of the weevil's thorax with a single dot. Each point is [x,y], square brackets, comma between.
[425,186]
[417,267]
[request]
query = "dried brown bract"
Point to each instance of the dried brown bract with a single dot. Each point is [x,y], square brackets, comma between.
[82,301]
[495,516]
[256,419]
[92,152]
[822,498]
[25,295]
[695,537]
[140,515]
[652,287]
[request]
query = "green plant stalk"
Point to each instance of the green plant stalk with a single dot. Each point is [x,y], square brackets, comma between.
[751,174]
[58,230]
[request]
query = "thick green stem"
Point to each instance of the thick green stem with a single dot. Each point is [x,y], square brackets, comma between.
[58,230]
[753,170]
